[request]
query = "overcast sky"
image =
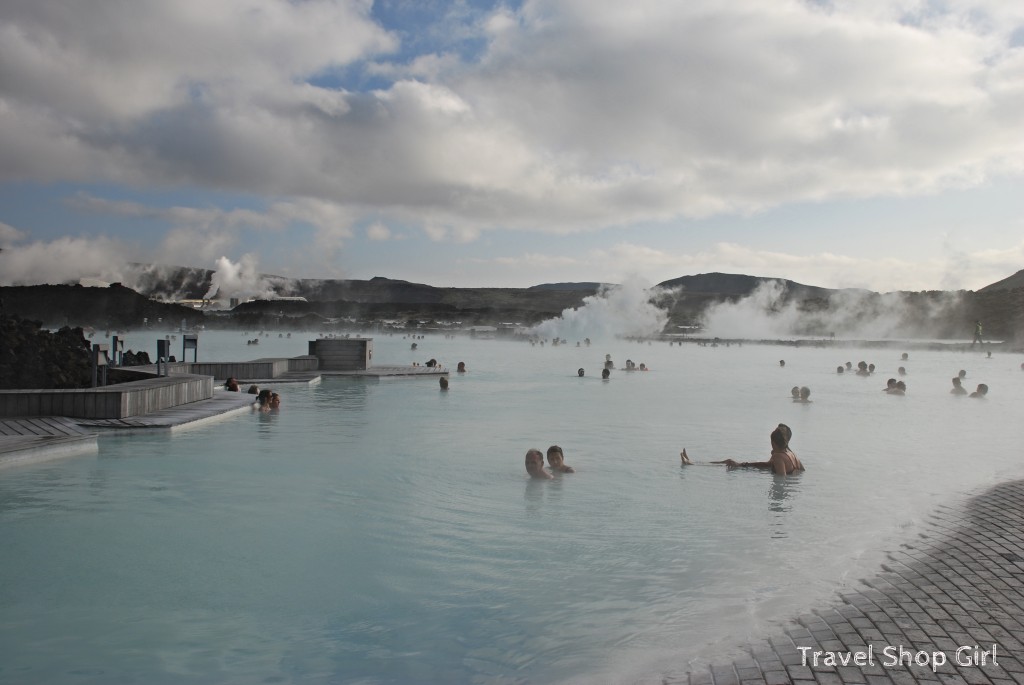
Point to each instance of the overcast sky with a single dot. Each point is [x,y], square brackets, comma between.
[856,143]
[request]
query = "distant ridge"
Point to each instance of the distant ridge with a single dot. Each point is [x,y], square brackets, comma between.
[593,287]
[738,285]
[1008,283]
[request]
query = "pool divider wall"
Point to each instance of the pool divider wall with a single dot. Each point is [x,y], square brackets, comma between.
[265,368]
[119,401]
[140,392]
[343,354]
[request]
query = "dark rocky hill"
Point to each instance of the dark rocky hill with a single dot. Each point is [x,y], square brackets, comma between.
[114,307]
[1008,283]
[738,285]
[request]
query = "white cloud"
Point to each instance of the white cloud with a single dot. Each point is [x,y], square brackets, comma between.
[9,235]
[65,260]
[574,115]
[580,114]
[378,231]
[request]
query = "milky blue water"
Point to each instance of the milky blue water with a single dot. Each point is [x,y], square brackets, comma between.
[386,532]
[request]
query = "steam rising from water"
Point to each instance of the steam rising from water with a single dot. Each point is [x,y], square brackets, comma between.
[615,311]
[769,313]
[242,280]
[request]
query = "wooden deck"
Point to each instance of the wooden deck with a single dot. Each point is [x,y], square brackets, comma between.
[41,438]
[222,404]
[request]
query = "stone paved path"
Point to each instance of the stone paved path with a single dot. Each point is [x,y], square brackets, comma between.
[960,583]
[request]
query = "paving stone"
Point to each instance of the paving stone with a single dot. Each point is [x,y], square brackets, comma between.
[828,678]
[851,674]
[960,582]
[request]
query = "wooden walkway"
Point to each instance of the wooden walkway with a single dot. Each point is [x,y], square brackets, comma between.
[41,438]
[222,403]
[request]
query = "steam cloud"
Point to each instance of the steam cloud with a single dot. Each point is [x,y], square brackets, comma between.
[242,280]
[615,311]
[769,313]
[65,260]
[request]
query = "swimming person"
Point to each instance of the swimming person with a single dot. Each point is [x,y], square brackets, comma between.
[579,372]
[783,460]
[275,401]
[981,391]
[535,465]
[605,374]
[795,392]
[262,402]
[958,387]
[556,460]
[889,385]
[805,395]
[443,382]
[461,368]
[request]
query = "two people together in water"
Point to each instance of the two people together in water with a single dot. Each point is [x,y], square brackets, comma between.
[556,461]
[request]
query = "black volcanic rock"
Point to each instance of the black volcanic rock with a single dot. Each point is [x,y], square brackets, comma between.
[32,357]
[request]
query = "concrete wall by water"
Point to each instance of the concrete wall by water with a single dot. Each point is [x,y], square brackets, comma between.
[119,401]
[343,354]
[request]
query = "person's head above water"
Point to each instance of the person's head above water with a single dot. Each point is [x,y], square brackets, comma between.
[579,372]
[891,383]
[805,393]
[901,371]
[535,464]
[556,460]
[781,436]
[795,391]
[981,391]
[605,373]
[962,374]
[782,362]
[839,369]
